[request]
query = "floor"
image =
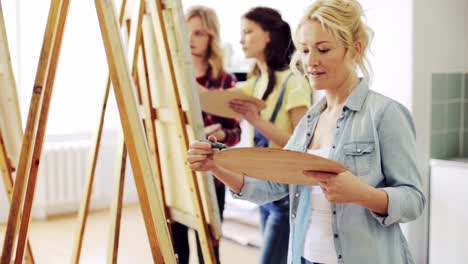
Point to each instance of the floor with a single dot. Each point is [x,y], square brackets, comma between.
[52,240]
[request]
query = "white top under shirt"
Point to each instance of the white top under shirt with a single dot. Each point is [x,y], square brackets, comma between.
[319,245]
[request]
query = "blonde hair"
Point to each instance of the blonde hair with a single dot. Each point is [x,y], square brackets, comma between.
[343,18]
[211,24]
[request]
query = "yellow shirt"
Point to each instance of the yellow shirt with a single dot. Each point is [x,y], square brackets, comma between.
[297,93]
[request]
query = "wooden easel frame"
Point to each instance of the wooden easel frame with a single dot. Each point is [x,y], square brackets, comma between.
[168,22]
[134,31]
[133,131]
[141,70]
[147,182]
[7,171]
[13,131]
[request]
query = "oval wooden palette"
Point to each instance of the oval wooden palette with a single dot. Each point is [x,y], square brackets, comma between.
[216,102]
[277,165]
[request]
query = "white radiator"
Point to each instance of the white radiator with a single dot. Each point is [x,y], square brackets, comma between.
[61,178]
[62,173]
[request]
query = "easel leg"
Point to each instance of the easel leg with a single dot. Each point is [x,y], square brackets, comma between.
[7,172]
[116,209]
[39,104]
[84,207]
[42,126]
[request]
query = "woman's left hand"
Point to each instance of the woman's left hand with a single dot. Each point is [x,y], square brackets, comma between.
[247,109]
[340,188]
[215,130]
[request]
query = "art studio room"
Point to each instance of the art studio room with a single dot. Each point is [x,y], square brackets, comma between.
[216,131]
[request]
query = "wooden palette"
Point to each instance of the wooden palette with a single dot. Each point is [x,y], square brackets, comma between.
[277,165]
[216,102]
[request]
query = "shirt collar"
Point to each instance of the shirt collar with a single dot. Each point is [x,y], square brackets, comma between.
[354,101]
[358,96]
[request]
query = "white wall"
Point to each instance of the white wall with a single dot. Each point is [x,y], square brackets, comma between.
[440,45]
[391,47]
[82,69]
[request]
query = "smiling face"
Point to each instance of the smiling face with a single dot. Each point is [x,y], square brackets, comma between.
[198,36]
[253,39]
[323,57]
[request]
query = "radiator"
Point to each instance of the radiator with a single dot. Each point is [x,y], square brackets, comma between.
[61,178]
[62,172]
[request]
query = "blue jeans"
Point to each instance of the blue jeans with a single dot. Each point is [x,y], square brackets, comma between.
[275,228]
[305,261]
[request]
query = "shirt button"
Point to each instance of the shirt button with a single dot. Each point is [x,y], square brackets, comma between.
[358,150]
[308,134]
[333,146]
[339,256]
[297,194]
[334,212]
[308,116]
[293,216]
[336,235]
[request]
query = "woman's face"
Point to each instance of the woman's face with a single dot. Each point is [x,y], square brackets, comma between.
[323,57]
[198,36]
[253,39]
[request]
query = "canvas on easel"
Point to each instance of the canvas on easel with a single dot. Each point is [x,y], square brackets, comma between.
[10,118]
[178,121]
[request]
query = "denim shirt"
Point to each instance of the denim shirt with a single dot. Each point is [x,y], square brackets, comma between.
[375,140]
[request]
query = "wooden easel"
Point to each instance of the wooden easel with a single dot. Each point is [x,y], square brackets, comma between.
[133,132]
[161,22]
[187,107]
[141,69]
[7,171]
[133,28]
[9,94]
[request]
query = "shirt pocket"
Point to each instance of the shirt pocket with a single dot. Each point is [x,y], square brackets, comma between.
[359,157]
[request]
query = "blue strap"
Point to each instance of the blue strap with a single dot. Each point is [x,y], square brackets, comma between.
[259,139]
[280,100]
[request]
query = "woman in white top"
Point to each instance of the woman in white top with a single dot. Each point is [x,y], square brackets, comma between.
[371,134]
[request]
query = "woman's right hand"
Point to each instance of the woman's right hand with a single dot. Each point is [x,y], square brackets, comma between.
[200,156]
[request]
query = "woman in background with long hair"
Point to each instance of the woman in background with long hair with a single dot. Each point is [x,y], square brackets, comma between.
[266,37]
[205,46]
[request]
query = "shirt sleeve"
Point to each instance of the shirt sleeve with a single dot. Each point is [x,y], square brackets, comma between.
[261,192]
[406,200]
[299,93]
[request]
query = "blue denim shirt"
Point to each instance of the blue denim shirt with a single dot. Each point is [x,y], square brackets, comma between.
[375,140]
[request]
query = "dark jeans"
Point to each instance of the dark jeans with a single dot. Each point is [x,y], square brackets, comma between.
[305,261]
[180,235]
[275,228]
